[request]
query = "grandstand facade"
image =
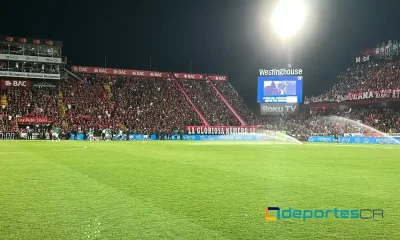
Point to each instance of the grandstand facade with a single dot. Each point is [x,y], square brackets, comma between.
[38,89]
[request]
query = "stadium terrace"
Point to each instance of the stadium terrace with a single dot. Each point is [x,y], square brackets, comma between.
[39,91]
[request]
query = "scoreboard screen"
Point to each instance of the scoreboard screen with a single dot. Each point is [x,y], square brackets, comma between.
[280,89]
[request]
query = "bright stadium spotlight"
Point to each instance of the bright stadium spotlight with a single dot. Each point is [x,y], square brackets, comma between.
[288,17]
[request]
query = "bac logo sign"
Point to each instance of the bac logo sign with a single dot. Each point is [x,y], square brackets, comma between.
[156,74]
[189,76]
[119,71]
[80,69]
[11,83]
[101,70]
[137,73]
[218,78]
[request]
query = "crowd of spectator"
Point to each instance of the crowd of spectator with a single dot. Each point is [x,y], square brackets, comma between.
[327,121]
[140,104]
[2,120]
[151,105]
[30,50]
[382,117]
[234,99]
[85,104]
[25,102]
[362,77]
[18,103]
[385,118]
[29,67]
[209,103]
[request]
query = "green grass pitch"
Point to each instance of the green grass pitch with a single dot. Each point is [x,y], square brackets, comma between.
[193,190]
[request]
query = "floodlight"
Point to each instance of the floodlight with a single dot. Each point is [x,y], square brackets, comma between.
[288,17]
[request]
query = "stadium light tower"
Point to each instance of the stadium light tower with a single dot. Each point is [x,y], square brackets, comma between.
[287,19]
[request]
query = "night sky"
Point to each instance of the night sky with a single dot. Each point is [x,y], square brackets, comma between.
[230,37]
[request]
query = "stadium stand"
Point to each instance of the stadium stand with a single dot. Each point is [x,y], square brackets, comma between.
[236,102]
[84,103]
[153,105]
[206,99]
[368,76]
[141,104]
[149,105]
[168,102]
[24,102]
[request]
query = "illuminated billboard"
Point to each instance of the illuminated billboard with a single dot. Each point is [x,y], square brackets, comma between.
[280,89]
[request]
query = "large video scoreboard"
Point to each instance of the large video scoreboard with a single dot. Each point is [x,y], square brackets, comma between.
[280,89]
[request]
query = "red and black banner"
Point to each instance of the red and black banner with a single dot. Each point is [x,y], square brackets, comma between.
[15,83]
[221,130]
[218,78]
[42,120]
[144,73]
[121,72]
[189,76]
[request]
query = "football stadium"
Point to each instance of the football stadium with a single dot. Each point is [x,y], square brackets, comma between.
[94,147]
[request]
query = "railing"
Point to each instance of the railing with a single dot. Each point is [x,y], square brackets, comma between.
[226,103]
[190,101]
[68,70]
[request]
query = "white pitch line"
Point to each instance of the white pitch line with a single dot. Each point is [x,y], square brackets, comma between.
[61,150]
[244,143]
[67,150]
[380,146]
